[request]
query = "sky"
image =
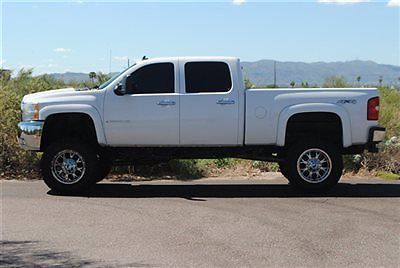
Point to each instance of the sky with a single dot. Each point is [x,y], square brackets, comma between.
[82,36]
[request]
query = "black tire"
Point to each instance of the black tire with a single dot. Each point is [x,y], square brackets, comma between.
[104,167]
[55,169]
[314,175]
[283,170]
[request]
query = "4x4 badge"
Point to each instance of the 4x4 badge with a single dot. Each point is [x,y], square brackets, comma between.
[347,101]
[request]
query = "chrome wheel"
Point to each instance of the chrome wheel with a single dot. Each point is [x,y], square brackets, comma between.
[314,165]
[68,167]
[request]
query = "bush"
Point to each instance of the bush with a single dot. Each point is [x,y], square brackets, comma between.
[13,160]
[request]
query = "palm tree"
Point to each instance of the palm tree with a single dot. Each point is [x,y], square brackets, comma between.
[92,76]
[380,80]
[358,80]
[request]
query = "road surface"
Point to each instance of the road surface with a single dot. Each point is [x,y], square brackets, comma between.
[202,223]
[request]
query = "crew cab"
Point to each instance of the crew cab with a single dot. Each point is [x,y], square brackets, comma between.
[196,107]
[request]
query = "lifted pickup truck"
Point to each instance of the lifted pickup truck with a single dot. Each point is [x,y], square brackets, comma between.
[196,107]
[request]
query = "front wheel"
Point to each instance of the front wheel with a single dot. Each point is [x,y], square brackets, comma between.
[105,166]
[69,166]
[283,170]
[314,165]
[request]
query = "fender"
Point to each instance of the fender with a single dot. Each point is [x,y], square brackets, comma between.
[309,108]
[77,108]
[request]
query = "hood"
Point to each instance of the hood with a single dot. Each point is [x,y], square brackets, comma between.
[64,94]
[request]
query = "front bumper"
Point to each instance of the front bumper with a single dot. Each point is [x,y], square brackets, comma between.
[30,135]
[375,136]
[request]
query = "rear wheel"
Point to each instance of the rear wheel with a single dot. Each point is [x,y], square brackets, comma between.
[69,166]
[314,165]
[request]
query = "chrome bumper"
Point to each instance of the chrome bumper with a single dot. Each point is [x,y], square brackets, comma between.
[30,134]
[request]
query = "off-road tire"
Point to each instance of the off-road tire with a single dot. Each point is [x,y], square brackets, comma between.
[49,171]
[297,177]
[283,170]
[104,167]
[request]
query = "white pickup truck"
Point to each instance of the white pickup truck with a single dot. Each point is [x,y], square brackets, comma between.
[196,107]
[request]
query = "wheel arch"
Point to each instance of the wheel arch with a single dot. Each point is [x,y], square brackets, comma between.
[310,108]
[86,113]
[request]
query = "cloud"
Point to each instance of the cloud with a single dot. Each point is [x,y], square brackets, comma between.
[62,50]
[121,58]
[394,3]
[342,2]
[238,2]
[25,66]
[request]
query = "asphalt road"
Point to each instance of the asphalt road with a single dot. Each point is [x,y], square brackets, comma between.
[203,223]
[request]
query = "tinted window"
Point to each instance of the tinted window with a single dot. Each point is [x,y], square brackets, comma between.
[152,78]
[207,77]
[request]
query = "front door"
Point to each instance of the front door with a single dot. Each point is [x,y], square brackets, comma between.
[149,113]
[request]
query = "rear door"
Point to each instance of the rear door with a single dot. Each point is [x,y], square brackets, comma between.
[209,104]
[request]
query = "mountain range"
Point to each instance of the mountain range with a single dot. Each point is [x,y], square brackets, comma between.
[262,72]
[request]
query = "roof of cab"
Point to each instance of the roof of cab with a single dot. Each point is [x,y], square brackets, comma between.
[200,58]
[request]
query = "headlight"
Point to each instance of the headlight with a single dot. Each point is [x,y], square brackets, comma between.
[30,111]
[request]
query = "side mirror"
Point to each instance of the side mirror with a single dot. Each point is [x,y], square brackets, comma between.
[119,89]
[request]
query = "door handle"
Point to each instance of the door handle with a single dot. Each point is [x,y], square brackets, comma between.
[225,101]
[166,103]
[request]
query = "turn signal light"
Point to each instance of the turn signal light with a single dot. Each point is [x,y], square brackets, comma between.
[36,112]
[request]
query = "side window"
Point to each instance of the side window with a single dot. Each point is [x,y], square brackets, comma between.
[153,78]
[207,77]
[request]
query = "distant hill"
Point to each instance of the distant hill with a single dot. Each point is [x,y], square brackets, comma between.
[262,72]
[69,76]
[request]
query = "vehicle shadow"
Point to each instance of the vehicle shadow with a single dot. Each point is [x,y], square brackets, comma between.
[187,191]
[21,254]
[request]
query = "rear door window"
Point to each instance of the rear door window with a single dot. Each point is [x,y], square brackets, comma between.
[207,77]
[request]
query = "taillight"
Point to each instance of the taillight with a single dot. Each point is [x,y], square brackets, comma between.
[373,109]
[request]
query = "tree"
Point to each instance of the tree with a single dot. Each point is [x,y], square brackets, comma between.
[292,84]
[92,76]
[304,84]
[380,80]
[102,77]
[335,81]
[5,74]
[247,83]
[358,79]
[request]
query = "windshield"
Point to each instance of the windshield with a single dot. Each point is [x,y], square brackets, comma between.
[109,81]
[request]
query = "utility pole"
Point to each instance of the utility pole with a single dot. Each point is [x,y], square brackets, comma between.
[274,74]
[128,63]
[109,64]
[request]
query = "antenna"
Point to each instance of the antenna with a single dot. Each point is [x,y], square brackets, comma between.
[274,74]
